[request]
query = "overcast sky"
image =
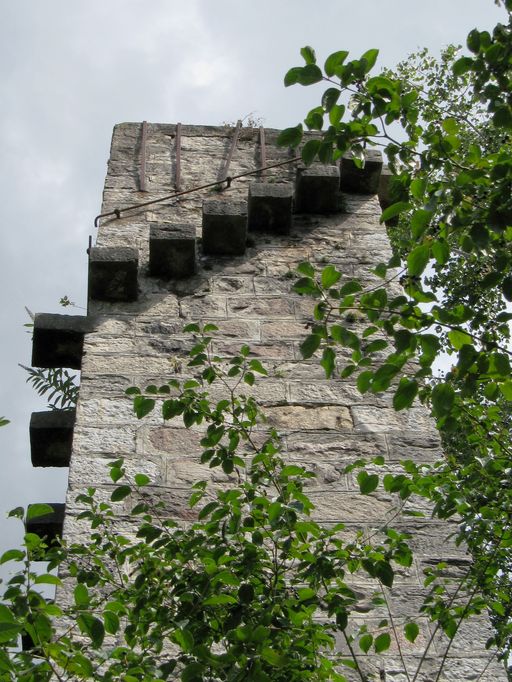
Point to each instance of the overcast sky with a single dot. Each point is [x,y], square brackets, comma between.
[70,70]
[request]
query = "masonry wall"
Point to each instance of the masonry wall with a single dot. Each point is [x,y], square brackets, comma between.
[325,424]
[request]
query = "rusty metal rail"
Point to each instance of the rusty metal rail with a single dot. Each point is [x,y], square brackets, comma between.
[228,180]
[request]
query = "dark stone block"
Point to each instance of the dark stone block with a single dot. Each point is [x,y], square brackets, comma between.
[385,188]
[317,189]
[270,207]
[172,250]
[361,180]
[51,437]
[113,273]
[224,227]
[49,526]
[58,340]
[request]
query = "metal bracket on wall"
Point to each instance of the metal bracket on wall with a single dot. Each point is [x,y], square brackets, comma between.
[177,181]
[263,152]
[142,174]
[223,174]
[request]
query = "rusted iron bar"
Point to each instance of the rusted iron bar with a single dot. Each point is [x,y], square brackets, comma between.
[223,174]
[117,211]
[263,151]
[177,182]
[142,177]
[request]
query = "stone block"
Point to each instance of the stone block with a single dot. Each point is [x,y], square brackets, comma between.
[361,180]
[47,526]
[113,273]
[172,250]
[58,340]
[224,227]
[270,207]
[317,189]
[51,437]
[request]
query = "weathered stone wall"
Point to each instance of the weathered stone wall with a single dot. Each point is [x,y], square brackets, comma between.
[325,424]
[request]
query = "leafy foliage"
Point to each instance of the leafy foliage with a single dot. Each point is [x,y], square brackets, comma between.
[235,594]
[57,384]
[445,127]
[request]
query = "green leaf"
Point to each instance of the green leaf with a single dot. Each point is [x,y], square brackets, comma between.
[292,78]
[193,672]
[330,276]
[93,627]
[184,639]
[394,210]
[111,622]
[310,345]
[310,150]
[81,595]
[120,493]
[443,398]
[333,62]
[306,269]
[220,600]
[336,113]
[382,642]
[459,338]
[143,406]
[440,251]
[405,394]
[506,389]
[420,220]
[370,57]
[417,260]
[365,642]
[141,479]
[364,381]
[330,97]
[411,631]
[310,74]
[384,573]
[290,137]
[12,555]
[367,482]
[308,54]
[47,579]
[36,510]
[328,361]
[462,66]
[274,658]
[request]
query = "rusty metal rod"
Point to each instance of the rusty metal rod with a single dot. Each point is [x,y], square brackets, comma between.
[177,182]
[223,173]
[263,151]
[117,211]
[142,177]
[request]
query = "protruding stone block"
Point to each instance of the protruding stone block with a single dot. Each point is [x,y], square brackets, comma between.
[113,273]
[317,189]
[270,207]
[224,227]
[361,180]
[384,192]
[172,250]
[51,437]
[58,340]
[49,526]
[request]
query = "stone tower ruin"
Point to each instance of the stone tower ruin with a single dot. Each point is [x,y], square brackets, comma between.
[227,257]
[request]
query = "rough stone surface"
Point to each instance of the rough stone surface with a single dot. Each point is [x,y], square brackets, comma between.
[224,227]
[361,180]
[113,273]
[317,189]
[172,250]
[270,207]
[245,289]
[51,437]
[58,340]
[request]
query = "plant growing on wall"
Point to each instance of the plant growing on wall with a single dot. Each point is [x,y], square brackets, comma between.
[445,128]
[253,588]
